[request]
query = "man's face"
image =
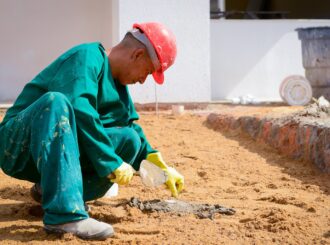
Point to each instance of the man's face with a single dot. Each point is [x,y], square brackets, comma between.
[137,69]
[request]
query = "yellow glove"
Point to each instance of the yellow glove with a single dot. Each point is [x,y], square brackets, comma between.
[122,175]
[175,181]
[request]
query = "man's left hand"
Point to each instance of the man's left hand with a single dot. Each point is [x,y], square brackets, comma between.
[175,181]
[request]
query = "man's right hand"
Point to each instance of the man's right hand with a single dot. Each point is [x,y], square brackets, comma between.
[122,175]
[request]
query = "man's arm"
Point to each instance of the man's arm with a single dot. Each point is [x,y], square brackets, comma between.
[93,138]
[145,146]
[175,181]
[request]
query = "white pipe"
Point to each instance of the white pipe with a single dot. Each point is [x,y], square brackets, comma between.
[222,5]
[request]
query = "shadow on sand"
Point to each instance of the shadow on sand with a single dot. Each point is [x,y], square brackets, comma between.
[304,171]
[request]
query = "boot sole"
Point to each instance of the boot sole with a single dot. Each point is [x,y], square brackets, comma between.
[99,236]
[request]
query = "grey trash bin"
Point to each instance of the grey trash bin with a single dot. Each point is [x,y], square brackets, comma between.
[315,43]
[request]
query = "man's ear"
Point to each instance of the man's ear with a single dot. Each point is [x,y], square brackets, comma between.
[137,53]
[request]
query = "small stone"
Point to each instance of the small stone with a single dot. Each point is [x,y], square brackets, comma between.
[272,186]
[311,210]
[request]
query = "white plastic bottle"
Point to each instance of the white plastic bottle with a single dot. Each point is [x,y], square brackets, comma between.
[151,175]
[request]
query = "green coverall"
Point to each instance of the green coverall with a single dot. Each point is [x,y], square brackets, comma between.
[72,126]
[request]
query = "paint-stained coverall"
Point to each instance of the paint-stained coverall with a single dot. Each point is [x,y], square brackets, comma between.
[72,126]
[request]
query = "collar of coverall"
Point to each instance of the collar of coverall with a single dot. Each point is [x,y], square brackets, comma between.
[137,34]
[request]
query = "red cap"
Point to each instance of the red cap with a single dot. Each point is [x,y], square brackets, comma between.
[164,44]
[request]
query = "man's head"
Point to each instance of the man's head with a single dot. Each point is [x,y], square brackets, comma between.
[150,48]
[136,64]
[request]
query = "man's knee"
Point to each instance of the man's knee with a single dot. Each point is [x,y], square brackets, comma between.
[52,114]
[57,101]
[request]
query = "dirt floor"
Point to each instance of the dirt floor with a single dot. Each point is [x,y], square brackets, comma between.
[277,200]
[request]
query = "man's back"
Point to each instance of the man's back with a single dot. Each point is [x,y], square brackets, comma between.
[81,73]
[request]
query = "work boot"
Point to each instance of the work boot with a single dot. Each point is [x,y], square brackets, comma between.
[89,229]
[36,195]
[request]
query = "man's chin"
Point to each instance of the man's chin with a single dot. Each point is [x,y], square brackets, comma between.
[129,82]
[124,83]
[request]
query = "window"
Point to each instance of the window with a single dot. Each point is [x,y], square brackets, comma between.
[270,9]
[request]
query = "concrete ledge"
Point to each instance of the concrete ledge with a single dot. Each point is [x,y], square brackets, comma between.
[221,104]
[5,106]
[299,136]
[168,106]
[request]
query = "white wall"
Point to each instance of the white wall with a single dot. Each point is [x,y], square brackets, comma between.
[34,32]
[247,56]
[254,56]
[189,78]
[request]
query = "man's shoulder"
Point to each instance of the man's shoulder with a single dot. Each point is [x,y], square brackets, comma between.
[87,47]
[93,53]
[92,45]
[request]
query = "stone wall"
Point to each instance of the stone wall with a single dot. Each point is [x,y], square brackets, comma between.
[293,136]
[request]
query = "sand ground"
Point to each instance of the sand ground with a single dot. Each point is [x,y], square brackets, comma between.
[278,200]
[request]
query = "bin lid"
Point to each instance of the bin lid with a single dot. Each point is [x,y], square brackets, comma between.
[296,90]
[318,32]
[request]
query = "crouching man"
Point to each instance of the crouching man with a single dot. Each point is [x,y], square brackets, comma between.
[72,129]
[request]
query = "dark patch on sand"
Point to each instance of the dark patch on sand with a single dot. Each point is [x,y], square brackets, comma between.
[201,211]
